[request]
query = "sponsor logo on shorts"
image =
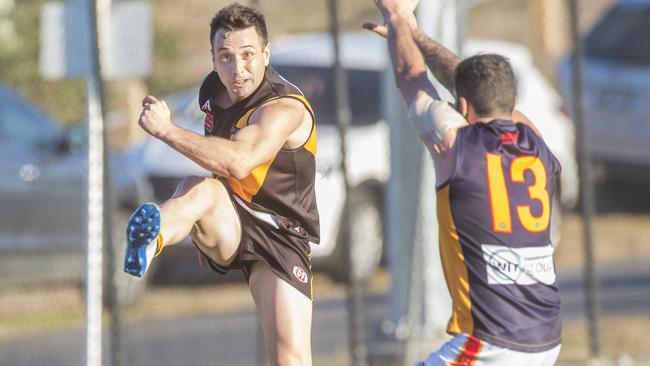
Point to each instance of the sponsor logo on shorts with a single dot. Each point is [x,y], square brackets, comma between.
[208,123]
[521,266]
[300,274]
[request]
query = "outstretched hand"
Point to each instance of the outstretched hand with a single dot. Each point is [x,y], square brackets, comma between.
[396,7]
[155,118]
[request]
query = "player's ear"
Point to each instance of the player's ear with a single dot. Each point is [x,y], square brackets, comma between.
[463,107]
[267,54]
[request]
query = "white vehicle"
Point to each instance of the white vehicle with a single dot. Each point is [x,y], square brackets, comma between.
[616,74]
[306,60]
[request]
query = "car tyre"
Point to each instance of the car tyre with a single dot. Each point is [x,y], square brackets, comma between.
[366,237]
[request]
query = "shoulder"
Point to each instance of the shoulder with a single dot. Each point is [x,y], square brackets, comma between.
[521,119]
[285,108]
[280,85]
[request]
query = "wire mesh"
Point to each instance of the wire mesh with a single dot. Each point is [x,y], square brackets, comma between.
[184,313]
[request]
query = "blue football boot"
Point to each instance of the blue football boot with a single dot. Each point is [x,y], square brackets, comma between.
[143,239]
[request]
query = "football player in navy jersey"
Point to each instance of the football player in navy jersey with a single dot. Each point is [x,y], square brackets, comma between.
[495,181]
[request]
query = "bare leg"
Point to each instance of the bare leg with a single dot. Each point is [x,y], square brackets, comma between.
[202,207]
[285,314]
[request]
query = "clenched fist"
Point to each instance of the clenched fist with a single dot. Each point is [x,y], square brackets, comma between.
[155,118]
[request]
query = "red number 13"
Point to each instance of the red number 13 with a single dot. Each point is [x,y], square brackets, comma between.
[499,198]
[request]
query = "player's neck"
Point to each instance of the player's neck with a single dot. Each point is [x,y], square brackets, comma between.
[488,119]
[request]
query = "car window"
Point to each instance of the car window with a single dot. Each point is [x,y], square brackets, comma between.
[317,84]
[622,35]
[22,124]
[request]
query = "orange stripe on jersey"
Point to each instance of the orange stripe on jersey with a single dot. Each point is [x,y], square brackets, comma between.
[310,145]
[453,263]
[304,101]
[243,121]
[469,354]
[248,187]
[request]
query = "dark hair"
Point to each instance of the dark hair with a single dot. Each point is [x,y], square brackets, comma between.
[237,17]
[488,83]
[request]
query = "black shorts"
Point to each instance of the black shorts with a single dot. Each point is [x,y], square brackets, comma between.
[267,237]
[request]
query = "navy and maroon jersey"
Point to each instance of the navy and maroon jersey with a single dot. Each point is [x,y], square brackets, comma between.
[494,219]
[283,186]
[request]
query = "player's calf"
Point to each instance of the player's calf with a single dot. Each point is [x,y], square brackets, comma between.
[144,241]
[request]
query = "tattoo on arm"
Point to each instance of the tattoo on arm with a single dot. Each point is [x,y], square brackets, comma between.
[441,61]
[408,64]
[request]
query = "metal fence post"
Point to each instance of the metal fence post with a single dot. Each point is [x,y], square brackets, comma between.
[356,330]
[586,185]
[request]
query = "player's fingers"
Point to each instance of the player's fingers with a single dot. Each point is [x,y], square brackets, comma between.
[165,104]
[376,28]
[149,99]
[142,117]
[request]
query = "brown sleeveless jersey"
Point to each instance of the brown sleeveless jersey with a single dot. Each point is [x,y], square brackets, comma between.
[284,185]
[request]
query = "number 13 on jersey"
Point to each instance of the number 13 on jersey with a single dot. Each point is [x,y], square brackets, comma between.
[500,197]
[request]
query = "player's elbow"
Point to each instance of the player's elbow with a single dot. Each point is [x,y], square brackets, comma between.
[408,75]
[238,170]
[409,82]
[236,166]
[240,174]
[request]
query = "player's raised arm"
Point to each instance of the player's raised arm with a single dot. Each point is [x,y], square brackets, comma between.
[435,121]
[441,61]
[408,65]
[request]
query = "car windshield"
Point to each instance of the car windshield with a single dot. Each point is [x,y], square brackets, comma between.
[22,124]
[622,35]
[317,84]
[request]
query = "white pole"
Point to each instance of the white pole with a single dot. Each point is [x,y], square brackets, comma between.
[95,208]
[95,231]
[440,21]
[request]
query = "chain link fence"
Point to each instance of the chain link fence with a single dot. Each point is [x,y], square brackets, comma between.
[395,310]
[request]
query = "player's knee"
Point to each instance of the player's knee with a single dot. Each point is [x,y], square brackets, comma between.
[201,188]
[187,186]
[291,357]
[295,352]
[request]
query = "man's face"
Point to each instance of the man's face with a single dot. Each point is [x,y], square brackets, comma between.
[240,58]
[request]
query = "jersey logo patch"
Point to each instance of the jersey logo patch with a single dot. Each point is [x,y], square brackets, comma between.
[300,274]
[509,138]
[208,124]
[519,266]
[206,106]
